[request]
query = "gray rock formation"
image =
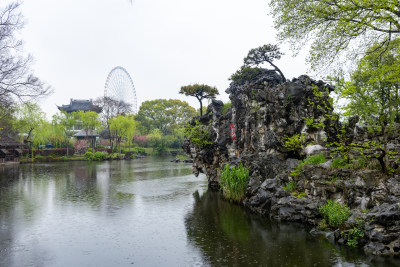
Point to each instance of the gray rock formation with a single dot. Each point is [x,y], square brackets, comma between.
[253,132]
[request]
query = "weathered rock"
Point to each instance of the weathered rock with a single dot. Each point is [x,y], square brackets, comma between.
[263,114]
[386,214]
[314,149]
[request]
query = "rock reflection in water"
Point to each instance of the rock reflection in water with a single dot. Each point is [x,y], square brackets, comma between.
[228,235]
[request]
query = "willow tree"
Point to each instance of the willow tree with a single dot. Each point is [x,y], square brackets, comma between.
[123,127]
[336,27]
[65,122]
[29,117]
[199,91]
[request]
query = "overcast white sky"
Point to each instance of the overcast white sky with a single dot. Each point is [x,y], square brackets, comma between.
[163,44]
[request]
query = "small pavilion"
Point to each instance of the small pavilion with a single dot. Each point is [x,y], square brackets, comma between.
[10,150]
[91,136]
[76,105]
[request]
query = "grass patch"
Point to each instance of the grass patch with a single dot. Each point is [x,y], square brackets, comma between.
[313,160]
[334,213]
[234,182]
[355,164]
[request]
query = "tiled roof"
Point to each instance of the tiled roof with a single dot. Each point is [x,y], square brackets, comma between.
[78,105]
[8,142]
[82,133]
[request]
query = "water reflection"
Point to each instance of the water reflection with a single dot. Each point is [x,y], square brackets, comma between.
[96,214]
[227,235]
[143,212]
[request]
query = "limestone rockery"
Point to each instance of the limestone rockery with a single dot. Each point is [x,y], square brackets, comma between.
[262,114]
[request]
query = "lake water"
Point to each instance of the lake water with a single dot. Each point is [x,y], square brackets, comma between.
[144,212]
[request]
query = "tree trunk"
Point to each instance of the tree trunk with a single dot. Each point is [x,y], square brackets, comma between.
[201,107]
[278,70]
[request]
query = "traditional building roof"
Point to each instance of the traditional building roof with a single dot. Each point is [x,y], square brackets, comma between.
[82,133]
[8,142]
[80,105]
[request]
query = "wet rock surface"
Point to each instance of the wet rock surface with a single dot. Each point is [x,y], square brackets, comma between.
[253,131]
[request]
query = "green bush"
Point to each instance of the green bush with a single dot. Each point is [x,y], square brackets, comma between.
[226,107]
[338,163]
[356,233]
[198,134]
[322,225]
[335,213]
[99,155]
[313,160]
[115,156]
[139,150]
[234,182]
[89,156]
[295,143]
[359,163]
[316,159]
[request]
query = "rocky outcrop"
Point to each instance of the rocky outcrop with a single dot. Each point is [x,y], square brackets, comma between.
[253,131]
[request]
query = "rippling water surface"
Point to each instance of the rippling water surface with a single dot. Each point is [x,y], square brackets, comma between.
[145,212]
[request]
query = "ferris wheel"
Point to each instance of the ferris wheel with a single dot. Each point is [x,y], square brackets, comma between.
[119,86]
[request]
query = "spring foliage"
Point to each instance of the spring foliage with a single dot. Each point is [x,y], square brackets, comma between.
[335,213]
[234,182]
[200,92]
[335,26]
[198,134]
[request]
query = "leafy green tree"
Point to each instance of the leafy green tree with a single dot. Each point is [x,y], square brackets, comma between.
[122,127]
[110,109]
[336,26]
[373,92]
[65,122]
[266,53]
[29,117]
[165,115]
[154,138]
[46,133]
[199,91]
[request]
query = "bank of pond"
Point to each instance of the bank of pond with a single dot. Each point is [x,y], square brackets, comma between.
[98,154]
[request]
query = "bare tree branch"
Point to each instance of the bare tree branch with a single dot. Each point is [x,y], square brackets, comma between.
[17,82]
